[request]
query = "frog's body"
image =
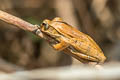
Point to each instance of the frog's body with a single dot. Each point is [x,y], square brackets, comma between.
[64,37]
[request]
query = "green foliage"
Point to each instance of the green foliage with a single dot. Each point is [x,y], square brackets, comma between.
[33,37]
[32,20]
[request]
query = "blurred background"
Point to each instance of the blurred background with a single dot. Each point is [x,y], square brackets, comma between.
[22,50]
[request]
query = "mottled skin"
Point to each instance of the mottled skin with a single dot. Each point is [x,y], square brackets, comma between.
[63,37]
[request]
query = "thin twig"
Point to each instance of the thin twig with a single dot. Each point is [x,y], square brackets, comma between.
[19,22]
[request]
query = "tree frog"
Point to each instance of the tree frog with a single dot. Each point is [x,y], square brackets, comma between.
[63,37]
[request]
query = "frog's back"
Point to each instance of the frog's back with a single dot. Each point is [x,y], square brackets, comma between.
[65,28]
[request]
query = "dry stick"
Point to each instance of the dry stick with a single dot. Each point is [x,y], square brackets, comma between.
[19,23]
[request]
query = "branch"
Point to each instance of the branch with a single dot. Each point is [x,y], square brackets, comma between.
[67,73]
[19,23]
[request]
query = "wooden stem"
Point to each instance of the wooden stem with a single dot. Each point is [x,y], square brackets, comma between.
[19,23]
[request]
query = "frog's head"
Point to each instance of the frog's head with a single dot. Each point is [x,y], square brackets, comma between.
[49,31]
[47,28]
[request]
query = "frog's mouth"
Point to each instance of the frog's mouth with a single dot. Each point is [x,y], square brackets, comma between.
[51,39]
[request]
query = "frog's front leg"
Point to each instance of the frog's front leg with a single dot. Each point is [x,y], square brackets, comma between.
[60,46]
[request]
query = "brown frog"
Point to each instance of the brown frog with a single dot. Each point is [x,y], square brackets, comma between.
[63,37]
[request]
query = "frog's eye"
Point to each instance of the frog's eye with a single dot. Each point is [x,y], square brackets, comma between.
[46,26]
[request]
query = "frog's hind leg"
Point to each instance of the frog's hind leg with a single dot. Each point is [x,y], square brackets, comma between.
[82,57]
[60,46]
